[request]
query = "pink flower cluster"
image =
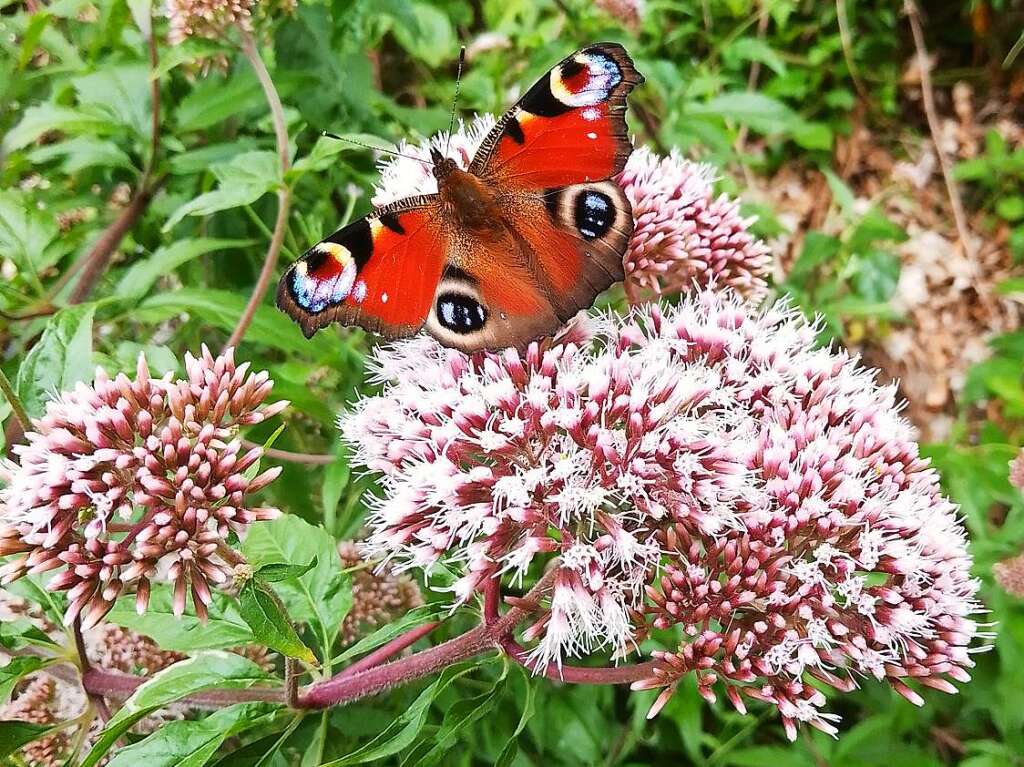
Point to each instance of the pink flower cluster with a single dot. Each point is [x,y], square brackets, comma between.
[684,235]
[124,481]
[702,466]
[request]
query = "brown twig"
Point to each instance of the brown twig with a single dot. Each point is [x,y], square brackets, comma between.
[98,259]
[31,314]
[291,682]
[928,97]
[283,193]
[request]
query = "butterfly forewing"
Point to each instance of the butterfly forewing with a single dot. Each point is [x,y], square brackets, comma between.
[569,127]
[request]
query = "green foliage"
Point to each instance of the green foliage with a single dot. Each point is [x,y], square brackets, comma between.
[723,86]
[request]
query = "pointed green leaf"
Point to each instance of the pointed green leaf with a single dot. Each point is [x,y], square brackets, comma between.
[220,670]
[269,622]
[14,735]
[61,358]
[279,571]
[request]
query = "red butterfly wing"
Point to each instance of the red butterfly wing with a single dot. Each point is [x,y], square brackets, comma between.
[569,128]
[380,272]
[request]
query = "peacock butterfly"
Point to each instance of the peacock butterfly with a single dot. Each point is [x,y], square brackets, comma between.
[506,251]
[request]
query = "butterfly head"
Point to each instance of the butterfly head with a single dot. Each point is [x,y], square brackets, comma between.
[443,166]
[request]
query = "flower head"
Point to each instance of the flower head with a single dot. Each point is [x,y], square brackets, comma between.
[129,480]
[378,596]
[1017,471]
[702,466]
[207,18]
[1009,575]
[684,234]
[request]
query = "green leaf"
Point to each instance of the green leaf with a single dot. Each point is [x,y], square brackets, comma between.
[818,249]
[224,197]
[873,228]
[33,588]
[427,34]
[61,358]
[314,753]
[322,155]
[321,597]
[213,101]
[14,735]
[142,15]
[25,232]
[402,732]
[121,93]
[220,670]
[1011,207]
[876,276]
[278,571]
[193,743]
[270,625]
[840,192]
[43,118]
[1011,286]
[222,308]
[462,714]
[82,152]
[17,667]
[19,633]
[30,40]
[336,478]
[142,274]
[812,135]
[242,180]
[528,697]
[762,113]
[754,49]
[224,627]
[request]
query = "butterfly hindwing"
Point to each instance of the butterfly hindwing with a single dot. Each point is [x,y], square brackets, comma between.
[556,251]
[380,272]
[569,128]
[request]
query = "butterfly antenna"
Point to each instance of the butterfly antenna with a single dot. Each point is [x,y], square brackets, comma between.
[455,100]
[336,137]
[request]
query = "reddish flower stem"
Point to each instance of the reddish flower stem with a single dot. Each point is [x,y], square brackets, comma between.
[580,674]
[389,650]
[367,677]
[574,674]
[83,659]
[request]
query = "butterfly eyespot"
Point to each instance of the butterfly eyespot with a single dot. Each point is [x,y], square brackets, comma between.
[460,313]
[593,213]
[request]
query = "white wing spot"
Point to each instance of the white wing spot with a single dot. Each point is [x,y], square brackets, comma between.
[383,298]
[359,292]
[592,135]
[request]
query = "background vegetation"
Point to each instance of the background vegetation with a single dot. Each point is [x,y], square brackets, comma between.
[814,112]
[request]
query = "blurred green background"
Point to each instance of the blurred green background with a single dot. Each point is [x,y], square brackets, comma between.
[813,113]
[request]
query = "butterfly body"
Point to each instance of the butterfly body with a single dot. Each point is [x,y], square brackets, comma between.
[506,250]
